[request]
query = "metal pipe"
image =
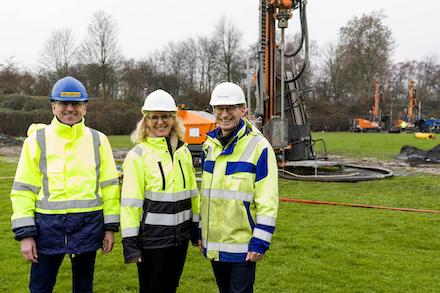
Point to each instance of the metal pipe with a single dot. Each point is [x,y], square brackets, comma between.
[282,73]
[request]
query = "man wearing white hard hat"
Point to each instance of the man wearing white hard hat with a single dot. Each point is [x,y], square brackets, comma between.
[159,206]
[239,195]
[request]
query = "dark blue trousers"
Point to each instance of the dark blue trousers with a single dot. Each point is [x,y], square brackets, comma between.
[234,277]
[44,273]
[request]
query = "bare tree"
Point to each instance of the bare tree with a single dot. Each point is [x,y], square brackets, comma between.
[59,52]
[428,74]
[191,62]
[176,54]
[9,77]
[330,82]
[209,51]
[135,77]
[364,50]
[230,60]
[101,48]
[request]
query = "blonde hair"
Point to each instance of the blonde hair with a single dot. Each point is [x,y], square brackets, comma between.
[142,132]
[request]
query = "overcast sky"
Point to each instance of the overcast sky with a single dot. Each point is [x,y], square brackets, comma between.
[146,25]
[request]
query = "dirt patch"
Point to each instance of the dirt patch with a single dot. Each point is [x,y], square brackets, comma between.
[417,156]
[10,153]
[399,168]
[6,140]
[119,154]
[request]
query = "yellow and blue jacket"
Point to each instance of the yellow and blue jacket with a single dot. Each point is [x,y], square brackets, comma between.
[239,196]
[66,190]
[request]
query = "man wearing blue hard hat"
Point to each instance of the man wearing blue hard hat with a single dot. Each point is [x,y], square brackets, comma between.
[65,195]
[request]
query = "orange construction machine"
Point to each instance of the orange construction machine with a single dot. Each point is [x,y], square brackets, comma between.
[408,117]
[373,123]
[197,124]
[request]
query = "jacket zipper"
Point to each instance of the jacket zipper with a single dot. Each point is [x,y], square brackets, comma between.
[209,208]
[163,175]
[144,215]
[183,174]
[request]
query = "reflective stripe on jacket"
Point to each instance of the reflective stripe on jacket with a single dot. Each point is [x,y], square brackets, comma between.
[239,202]
[159,197]
[62,170]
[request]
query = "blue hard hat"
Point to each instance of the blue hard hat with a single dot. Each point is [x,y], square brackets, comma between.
[69,89]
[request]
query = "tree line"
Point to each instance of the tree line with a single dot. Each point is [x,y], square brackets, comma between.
[341,74]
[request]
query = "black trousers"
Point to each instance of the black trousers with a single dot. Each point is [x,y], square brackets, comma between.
[44,273]
[234,277]
[160,269]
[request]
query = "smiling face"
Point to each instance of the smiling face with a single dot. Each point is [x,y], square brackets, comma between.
[69,113]
[228,117]
[160,123]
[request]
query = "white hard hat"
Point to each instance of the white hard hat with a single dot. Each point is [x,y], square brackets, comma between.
[159,100]
[227,93]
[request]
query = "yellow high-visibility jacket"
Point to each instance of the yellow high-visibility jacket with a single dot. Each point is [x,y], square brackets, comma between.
[159,205]
[64,170]
[239,196]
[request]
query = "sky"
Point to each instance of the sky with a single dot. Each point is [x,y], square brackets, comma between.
[147,25]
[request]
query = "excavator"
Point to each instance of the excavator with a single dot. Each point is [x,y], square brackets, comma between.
[373,123]
[281,110]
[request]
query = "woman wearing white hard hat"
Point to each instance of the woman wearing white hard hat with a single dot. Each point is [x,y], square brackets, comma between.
[159,206]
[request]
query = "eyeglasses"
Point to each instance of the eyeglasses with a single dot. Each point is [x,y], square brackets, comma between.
[73,104]
[155,118]
[229,109]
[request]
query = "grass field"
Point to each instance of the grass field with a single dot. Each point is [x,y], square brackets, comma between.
[316,248]
[120,141]
[383,146]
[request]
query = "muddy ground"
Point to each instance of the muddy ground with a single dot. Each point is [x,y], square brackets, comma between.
[399,167]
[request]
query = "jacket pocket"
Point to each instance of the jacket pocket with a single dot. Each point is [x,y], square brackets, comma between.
[55,175]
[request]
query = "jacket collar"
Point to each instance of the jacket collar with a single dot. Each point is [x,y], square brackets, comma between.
[67,131]
[161,142]
[242,129]
[216,133]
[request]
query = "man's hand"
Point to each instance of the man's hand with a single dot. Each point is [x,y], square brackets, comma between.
[108,242]
[254,256]
[29,249]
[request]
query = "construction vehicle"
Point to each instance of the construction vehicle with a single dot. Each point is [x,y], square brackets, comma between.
[281,110]
[408,117]
[431,125]
[373,123]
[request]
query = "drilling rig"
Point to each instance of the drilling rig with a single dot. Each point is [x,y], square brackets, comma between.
[373,123]
[280,101]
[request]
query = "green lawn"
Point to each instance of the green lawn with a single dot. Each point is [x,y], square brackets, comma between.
[383,146]
[120,141]
[316,248]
